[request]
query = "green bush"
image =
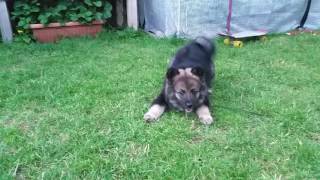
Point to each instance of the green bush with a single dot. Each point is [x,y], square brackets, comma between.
[28,12]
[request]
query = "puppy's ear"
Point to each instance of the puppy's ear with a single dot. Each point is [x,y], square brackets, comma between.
[171,73]
[197,71]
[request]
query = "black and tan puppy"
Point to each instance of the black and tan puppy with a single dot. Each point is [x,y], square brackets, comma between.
[187,83]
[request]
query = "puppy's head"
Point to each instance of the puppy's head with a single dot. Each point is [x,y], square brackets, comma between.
[187,86]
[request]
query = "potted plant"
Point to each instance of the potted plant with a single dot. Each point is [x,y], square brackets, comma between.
[50,20]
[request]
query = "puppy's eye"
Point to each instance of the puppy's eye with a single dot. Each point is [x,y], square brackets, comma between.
[181,92]
[194,91]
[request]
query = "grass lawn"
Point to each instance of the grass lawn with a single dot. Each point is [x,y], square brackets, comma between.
[75,110]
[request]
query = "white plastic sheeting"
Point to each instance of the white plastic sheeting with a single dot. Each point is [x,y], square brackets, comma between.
[313,20]
[5,25]
[189,18]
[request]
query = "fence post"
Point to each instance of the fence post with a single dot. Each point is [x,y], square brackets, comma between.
[5,25]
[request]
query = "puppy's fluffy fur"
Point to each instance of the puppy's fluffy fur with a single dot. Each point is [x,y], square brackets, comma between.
[187,82]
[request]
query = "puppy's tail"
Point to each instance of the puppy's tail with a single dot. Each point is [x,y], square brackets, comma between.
[206,44]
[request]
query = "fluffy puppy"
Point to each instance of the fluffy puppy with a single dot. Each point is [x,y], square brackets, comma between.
[187,83]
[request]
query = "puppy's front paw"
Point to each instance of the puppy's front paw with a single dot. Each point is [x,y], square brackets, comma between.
[206,119]
[154,113]
[150,117]
[204,115]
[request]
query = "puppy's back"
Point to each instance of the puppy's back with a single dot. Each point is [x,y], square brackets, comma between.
[197,53]
[206,44]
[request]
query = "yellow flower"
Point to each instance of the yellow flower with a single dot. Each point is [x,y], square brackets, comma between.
[20,31]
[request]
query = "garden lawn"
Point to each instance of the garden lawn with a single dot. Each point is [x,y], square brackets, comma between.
[74,110]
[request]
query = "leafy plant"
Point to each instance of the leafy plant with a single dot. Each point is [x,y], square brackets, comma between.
[28,12]
[25,13]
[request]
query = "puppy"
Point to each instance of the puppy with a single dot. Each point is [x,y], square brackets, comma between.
[187,83]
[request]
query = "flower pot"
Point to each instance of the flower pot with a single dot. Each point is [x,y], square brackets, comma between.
[55,31]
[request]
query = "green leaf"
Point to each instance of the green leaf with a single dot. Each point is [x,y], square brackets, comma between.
[88,13]
[75,8]
[26,39]
[97,3]
[82,9]
[107,11]
[43,18]
[21,23]
[35,9]
[88,2]
[98,16]
[18,4]
[74,17]
[61,7]
[24,22]
[26,7]
[88,19]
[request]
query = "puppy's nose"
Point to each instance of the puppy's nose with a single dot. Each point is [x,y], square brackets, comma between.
[189,105]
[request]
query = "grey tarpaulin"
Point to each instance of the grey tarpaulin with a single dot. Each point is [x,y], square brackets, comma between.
[184,17]
[313,20]
[189,18]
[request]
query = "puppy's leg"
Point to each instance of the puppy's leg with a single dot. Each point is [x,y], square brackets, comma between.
[156,110]
[204,113]
[154,113]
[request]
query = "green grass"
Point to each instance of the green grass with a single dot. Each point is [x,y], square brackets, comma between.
[74,110]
